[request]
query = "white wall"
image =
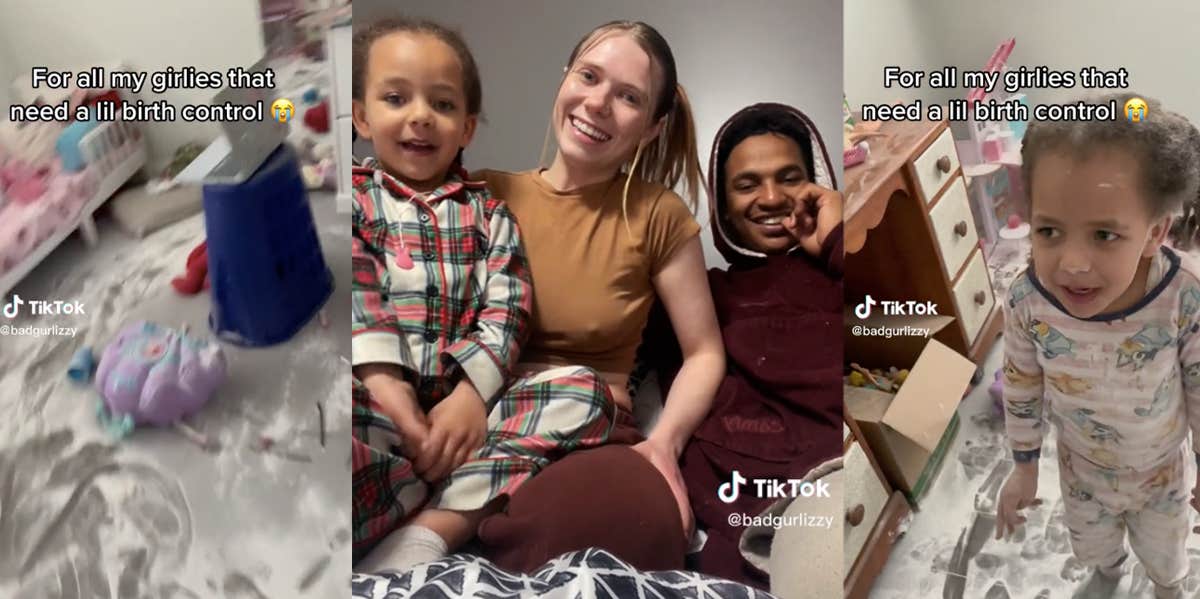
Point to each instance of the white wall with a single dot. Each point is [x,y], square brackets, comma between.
[1155,40]
[880,34]
[729,55]
[149,36]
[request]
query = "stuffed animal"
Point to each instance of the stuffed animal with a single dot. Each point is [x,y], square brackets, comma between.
[150,374]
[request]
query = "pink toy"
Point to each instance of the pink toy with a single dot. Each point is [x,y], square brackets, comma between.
[1015,229]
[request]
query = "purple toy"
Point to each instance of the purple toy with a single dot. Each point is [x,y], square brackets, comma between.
[154,375]
[996,390]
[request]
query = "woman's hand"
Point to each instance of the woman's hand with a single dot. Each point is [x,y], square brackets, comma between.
[457,427]
[818,211]
[665,461]
[1019,492]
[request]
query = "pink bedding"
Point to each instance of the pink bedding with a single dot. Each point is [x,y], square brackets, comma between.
[24,226]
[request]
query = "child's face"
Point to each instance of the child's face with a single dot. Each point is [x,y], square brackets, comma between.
[605,104]
[414,108]
[763,174]
[1092,226]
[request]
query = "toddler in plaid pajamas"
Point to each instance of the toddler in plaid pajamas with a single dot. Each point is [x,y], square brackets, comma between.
[441,305]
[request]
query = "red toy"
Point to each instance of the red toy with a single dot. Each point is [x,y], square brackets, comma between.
[196,276]
[317,117]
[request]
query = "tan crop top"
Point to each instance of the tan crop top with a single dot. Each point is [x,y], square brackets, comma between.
[592,288]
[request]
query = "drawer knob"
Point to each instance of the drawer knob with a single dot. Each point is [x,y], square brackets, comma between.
[980,297]
[854,515]
[960,229]
[943,164]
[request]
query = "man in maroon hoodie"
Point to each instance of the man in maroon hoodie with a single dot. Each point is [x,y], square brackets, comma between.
[778,411]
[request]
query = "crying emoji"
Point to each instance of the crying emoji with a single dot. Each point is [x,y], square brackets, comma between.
[1135,110]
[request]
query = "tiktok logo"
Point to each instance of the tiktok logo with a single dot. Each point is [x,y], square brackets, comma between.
[728,492]
[12,308]
[863,310]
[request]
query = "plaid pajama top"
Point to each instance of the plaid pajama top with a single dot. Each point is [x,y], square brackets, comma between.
[441,283]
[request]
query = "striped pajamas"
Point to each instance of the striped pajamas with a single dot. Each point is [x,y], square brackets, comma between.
[1123,391]
[1101,504]
[442,289]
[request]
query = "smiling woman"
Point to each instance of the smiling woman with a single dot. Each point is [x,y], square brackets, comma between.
[625,136]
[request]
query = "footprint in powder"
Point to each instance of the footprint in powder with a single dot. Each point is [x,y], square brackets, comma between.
[976,459]
[68,518]
[998,591]
[1139,583]
[941,560]
[984,420]
[1035,549]
[1073,571]
[172,590]
[48,364]
[1192,582]
[988,563]
[240,586]
[1021,534]
[1058,537]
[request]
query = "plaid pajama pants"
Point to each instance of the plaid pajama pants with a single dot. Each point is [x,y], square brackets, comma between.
[537,420]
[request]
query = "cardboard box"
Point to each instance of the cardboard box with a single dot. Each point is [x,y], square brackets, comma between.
[908,432]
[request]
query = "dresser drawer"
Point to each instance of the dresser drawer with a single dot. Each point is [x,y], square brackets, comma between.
[864,488]
[973,294]
[954,227]
[936,164]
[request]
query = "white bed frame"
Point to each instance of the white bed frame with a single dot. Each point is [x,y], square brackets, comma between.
[100,148]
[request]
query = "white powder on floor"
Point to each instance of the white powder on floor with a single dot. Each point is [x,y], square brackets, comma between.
[253,519]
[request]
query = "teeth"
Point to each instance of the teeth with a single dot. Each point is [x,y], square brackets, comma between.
[589,131]
[770,220]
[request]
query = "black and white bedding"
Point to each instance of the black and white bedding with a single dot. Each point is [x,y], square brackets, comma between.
[588,573]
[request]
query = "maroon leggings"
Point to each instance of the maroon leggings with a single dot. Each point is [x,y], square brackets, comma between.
[609,497]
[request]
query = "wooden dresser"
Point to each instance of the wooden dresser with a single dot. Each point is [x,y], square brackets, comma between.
[910,234]
[874,515]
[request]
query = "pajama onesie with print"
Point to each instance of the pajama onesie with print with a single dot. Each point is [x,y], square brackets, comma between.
[442,289]
[1123,390]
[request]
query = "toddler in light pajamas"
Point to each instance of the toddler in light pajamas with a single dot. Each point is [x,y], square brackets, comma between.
[1101,339]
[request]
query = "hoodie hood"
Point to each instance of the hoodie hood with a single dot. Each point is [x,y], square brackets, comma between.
[724,238]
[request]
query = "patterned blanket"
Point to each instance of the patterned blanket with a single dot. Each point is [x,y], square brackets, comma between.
[588,573]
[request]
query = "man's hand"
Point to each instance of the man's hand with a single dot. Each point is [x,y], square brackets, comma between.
[665,461]
[817,211]
[457,427]
[1019,492]
[396,398]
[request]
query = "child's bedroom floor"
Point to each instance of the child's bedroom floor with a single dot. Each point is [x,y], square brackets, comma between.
[154,514]
[949,549]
